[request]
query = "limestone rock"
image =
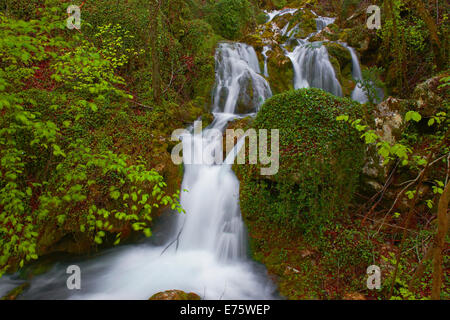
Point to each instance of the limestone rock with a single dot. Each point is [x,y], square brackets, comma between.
[175,295]
[388,119]
[429,96]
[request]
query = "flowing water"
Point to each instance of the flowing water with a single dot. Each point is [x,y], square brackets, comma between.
[203,250]
[358,93]
[239,88]
[310,60]
[311,63]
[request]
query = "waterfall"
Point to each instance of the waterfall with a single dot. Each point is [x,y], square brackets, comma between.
[239,85]
[323,22]
[312,68]
[278,13]
[310,61]
[358,93]
[264,54]
[237,70]
[203,250]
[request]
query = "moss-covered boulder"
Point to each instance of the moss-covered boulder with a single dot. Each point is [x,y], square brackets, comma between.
[175,295]
[358,37]
[319,158]
[280,71]
[341,61]
[305,21]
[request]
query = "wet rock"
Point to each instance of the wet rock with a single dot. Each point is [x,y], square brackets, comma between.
[430,97]
[354,296]
[388,125]
[388,120]
[13,294]
[290,270]
[341,61]
[175,295]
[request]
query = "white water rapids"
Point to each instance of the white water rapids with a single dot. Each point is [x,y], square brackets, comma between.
[310,60]
[205,250]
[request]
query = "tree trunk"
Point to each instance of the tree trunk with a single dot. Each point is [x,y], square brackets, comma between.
[154,23]
[397,53]
[440,243]
[433,29]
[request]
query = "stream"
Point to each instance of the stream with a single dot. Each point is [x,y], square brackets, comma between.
[204,250]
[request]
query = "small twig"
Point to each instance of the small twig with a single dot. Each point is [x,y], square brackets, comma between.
[410,183]
[408,218]
[417,178]
[177,240]
[142,105]
[224,289]
[448,169]
[382,191]
[389,225]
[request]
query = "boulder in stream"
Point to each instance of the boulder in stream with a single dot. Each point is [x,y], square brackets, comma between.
[175,295]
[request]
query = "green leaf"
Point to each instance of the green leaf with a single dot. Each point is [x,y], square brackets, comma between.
[147,232]
[413,115]
[342,118]
[115,194]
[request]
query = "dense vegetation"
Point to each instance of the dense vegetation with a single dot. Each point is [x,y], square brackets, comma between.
[86,118]
[317,157]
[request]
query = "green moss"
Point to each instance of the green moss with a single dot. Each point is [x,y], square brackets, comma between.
[306,22]
[317,159]
[289,213]
[341,60]
[280,70]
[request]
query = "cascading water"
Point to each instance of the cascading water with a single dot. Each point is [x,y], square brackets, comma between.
[206,252]
[239,85]
[310,60]
[312,68]
[203,251]
[358,93]
[323,22]
[311,63]
[264,54]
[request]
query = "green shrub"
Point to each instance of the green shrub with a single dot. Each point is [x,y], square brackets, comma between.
[262,18]
[319,162]
[230,17]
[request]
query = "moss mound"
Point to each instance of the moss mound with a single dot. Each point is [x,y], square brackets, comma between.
[318,161]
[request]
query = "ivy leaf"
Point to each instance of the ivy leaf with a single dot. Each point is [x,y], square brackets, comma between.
[413,115]
[342,118]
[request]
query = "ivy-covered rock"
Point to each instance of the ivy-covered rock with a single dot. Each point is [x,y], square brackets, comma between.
[280,71]
[319,162]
